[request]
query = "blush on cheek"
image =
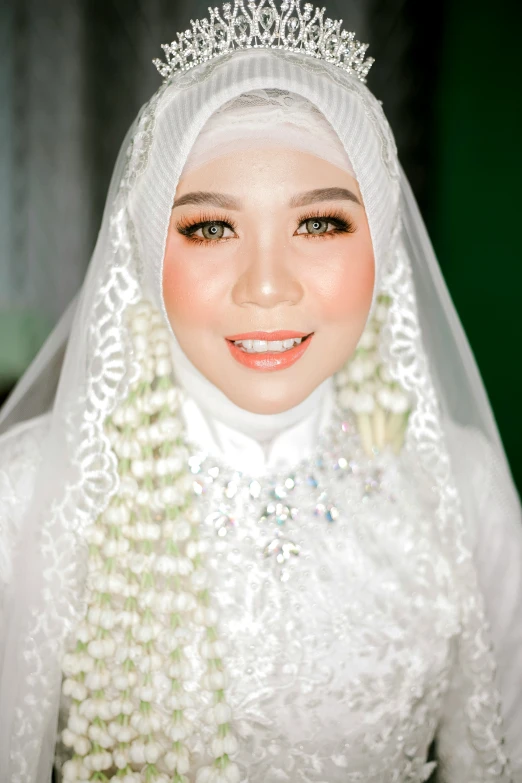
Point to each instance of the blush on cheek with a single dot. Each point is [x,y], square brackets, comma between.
[179,291]
[172,284]
[352,293]
[178,287]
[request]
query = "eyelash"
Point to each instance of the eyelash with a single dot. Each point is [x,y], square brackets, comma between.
[188,228]
[342,225]
[341,222]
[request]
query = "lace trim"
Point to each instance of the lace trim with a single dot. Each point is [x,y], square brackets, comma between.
[108,379]
[404,352]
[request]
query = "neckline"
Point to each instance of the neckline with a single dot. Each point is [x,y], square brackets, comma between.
[255,442]
[242,452]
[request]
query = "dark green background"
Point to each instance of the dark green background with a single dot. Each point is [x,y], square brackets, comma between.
[475,219]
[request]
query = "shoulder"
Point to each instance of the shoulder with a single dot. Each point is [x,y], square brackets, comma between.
[20,455]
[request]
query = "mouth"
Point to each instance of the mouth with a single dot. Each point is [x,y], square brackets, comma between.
[267,351]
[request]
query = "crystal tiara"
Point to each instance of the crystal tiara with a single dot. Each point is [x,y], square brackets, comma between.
[263,26]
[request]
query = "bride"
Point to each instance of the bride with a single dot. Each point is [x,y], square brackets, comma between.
[258,524]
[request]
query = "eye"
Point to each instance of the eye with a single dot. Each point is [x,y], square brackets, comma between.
[328,225]
[314,226]
[212,230]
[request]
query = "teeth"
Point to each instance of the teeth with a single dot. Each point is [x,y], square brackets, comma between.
[263,346]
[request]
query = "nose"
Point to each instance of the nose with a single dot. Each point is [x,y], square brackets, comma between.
[268,278]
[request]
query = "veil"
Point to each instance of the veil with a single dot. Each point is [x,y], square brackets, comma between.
[424,346]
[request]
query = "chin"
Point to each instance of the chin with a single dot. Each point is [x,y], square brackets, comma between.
[276,398]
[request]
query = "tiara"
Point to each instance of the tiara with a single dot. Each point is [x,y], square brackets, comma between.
[263,26]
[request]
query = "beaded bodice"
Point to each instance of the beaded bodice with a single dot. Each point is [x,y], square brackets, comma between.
[335,606]
[335,601]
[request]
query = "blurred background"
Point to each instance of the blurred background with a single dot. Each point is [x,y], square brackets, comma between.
[73,74]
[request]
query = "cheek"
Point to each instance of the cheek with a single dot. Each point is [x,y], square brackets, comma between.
[178,290]
[190,291]
[348,294]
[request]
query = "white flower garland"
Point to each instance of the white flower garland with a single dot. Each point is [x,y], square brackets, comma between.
[365,387]
[147,588]
[147,595]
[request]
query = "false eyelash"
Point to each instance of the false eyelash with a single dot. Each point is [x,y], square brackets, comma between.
[341,222]
[188,227]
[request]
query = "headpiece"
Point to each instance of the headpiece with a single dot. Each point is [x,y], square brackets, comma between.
[263,26]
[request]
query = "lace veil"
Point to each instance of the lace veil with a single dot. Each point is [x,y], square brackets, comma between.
[424,347]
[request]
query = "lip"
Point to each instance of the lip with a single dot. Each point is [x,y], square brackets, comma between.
[268,362]
[281,334]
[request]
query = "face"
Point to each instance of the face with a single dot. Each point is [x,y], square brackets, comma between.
[268,274]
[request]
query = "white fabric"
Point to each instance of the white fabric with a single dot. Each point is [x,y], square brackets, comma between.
[249,122]
[272,706]
[419,540]
[253,443]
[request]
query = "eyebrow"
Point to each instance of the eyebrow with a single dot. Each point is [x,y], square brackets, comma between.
[225,201]
[323,194]
[222,200]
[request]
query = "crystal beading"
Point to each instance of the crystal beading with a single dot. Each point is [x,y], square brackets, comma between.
[262,26]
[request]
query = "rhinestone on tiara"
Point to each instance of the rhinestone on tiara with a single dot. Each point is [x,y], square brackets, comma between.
[262,26]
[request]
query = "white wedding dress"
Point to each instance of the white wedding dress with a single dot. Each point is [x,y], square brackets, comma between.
[338,606]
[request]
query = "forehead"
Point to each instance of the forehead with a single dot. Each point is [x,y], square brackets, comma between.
[265,174]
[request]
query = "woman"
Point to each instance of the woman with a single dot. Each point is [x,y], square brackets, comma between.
[268,531]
